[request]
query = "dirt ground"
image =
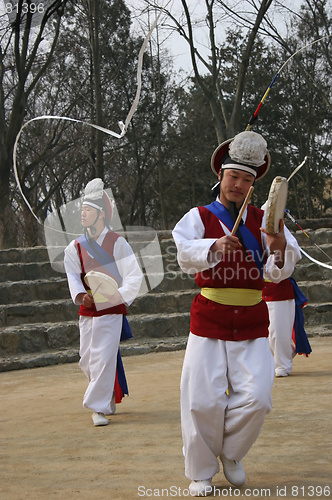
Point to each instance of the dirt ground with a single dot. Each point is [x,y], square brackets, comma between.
[49,448]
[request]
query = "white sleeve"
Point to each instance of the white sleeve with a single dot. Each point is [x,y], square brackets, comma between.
[129,270]
[192,247]
[292,255]
[73,270]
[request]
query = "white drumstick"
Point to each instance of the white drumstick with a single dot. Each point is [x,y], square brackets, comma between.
[96,290]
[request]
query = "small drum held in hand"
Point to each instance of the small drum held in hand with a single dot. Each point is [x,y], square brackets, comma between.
[276,204]
[101,283]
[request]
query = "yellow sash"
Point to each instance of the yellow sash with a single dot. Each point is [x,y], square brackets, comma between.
[233,296]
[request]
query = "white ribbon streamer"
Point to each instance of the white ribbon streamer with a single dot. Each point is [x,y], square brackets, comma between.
[323,264]
[123,126]
[49,117]
[297,169]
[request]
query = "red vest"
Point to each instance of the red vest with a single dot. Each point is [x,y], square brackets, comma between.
[213,320]
[278,291]
[90,264]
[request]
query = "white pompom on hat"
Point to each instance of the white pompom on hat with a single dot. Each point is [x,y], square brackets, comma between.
[94,189]
[248,148]
[247,151]
[96,197]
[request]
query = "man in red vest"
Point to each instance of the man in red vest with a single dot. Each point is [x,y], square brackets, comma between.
[287,335]
[102,317]
[228,369]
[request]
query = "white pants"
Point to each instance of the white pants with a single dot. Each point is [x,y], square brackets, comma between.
[214,423]
[99,344]
[282,314]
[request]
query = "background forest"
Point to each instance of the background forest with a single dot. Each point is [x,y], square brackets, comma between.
[78,58]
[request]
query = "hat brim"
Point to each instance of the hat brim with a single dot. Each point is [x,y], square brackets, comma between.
[221,151]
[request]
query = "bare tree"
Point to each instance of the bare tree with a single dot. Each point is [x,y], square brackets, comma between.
[26,51]
[226,120]
[93,15]
[289,30]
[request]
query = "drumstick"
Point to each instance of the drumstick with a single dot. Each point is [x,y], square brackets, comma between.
[244,205]
[96,290]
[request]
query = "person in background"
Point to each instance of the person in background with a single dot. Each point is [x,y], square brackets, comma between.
[287,336]
[101,317]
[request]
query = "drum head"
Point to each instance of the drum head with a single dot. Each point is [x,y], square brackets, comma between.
[276,204]
[100,282]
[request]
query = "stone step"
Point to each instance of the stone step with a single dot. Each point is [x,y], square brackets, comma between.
[128,348]
[312,224]
[317,291]
[317,314]
[38,337]
[319,236]
[31,266]
[41,253]
[26,271]
[51,311]
[319,330]
[49,357]
[176,281]
[27,255]
[34,337]
[27,268]
[308,271]
[39,323]
[168,302]
[56,288]
[24,282]
[323,242]
[27,290]
[323,253]
[323,235]
[41,311]
[159,326]
[30,271]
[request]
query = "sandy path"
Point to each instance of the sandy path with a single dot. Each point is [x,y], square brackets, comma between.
[49,448]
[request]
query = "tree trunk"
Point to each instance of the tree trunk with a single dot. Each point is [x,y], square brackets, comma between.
[24,57]
[8,227]
[95,53]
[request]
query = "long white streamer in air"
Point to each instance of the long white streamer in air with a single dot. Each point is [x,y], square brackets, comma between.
[323,264]
[123,126]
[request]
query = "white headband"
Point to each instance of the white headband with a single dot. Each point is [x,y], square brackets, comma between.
[93,205]
[235,166]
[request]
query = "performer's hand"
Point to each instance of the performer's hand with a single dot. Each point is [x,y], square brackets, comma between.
[87,300]
[277,243]
[224,245]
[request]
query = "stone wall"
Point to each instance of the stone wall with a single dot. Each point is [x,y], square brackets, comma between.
[39,323]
